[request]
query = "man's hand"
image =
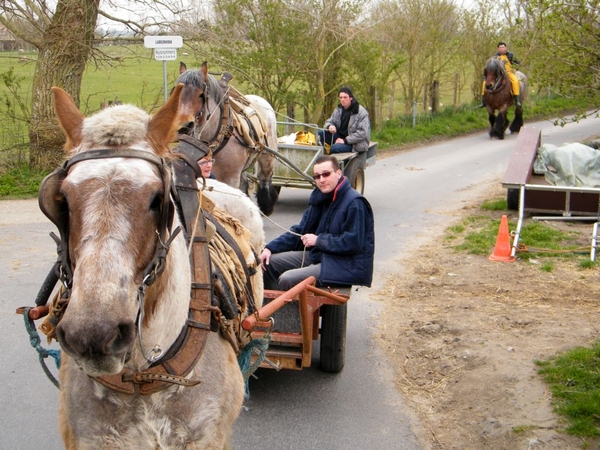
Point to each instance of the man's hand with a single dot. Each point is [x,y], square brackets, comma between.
[309,240]
[332,129]
[265,257]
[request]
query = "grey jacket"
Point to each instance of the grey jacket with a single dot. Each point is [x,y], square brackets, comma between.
[359,128]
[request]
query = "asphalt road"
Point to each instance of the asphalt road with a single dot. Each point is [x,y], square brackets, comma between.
[412,195]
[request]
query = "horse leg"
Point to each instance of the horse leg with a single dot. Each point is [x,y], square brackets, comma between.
[266,194]
[517,122]
[492,119]
[500,125]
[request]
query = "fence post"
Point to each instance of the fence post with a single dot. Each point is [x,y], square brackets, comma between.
[415,114]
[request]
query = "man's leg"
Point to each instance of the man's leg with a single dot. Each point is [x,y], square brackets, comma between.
[282,262]
[326,137]
[482,104]
[291,278]
[341,148]
[516,89]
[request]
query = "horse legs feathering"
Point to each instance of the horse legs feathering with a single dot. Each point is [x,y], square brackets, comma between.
[235,127]
[128,302]
[498,97]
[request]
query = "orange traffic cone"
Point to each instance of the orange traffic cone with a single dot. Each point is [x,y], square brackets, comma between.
[502,248]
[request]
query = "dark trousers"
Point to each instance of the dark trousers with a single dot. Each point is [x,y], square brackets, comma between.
[327,138]
[287,269]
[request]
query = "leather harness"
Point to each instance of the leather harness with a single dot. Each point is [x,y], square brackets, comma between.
[178,362]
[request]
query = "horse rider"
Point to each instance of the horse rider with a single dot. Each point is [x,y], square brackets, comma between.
[509,59]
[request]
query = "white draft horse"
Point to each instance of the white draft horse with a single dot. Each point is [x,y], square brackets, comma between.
[214,124]
[129,379]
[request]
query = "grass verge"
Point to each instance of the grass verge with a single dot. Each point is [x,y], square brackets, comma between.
[573,377]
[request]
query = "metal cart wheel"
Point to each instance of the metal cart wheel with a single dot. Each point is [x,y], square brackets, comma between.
[355,171]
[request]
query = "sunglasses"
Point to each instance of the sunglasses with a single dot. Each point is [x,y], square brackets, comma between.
[207,161]
[318,176]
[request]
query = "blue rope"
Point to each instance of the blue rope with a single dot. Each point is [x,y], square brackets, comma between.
[34,340]
[260,347]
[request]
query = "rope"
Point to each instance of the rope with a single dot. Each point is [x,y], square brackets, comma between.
[259,346]
[524,248]
[289,231]
[34,340]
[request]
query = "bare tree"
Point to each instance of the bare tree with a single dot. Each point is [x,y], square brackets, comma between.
[63,32]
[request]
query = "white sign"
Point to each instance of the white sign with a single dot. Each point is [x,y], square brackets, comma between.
[163,42]
[165,54]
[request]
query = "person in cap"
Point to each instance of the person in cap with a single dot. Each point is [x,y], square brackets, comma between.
[349,128]
[509,59]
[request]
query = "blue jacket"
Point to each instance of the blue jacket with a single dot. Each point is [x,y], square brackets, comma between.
[343,221]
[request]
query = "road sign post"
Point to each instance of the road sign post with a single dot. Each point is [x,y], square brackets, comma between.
[165,49]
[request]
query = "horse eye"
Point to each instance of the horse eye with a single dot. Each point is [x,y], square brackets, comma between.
[156,202]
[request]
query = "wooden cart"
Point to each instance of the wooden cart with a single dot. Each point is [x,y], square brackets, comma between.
[293,167]
[294,319]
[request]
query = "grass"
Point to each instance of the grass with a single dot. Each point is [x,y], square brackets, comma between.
[574,376]
[477,234]
[452,122]
[574,380]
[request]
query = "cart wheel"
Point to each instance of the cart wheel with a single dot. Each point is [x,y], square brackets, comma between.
[333,337]
[512,199]
[355,171]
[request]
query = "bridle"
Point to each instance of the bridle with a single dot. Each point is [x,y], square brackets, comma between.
[224,130]
[500,75]
[54,205]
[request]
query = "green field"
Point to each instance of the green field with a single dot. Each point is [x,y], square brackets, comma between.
[136,78]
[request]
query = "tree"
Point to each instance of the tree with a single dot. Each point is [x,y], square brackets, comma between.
[64,35]
[567,40]
[290,51]
[418,55]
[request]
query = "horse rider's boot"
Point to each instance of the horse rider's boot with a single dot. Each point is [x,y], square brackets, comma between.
[518,103]
[482,105]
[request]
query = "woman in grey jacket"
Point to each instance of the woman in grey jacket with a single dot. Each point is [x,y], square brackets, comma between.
[348,129]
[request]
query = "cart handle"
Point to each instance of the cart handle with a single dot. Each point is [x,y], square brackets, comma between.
[36,312]
[269,309]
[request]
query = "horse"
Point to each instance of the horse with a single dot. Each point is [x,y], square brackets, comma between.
[498,97]
[212,104]
[141,363]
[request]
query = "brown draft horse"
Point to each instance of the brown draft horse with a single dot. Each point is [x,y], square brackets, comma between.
[141,368]
[208,103]
[498,97]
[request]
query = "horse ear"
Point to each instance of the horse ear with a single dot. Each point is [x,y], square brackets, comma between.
[69,117]
[164,124]
[182,67]
[205,70]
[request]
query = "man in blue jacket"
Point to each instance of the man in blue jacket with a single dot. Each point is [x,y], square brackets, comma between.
[334,241]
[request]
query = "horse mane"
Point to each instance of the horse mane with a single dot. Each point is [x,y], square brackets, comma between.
[496,67]
[117,125]
[195,77]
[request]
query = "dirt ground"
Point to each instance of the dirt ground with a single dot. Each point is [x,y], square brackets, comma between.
[464,334]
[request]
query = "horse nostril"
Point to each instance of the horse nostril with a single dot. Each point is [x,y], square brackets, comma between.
[99,340]
[123,338]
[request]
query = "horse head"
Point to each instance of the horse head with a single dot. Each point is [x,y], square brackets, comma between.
[494,74]
[201,97]
[111,201]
